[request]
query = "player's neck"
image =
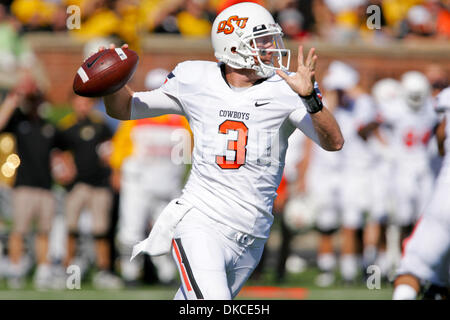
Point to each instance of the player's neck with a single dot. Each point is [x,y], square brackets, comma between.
[240,78]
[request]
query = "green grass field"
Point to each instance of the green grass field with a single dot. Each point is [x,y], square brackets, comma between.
[304,280]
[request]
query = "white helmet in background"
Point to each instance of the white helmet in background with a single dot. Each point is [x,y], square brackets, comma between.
[416,89]
[340,76]
[244,32]
[386,90]
[300,214]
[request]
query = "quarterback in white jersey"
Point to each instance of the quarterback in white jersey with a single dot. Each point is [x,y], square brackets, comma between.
[241,112]
[426,254]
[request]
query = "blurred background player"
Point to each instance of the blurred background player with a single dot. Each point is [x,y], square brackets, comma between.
[32,199]
[86,135]
[149,175]
[385,93]
[412,120]
[355,114]
[323,181]
[426,253]
[293,205]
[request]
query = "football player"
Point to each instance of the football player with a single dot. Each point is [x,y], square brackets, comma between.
[356,114]
[323,181]
[426,255]
[241,112]
[385,93]
[412,119]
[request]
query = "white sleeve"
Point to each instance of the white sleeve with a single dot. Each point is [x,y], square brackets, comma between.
[300,119]
[153,103]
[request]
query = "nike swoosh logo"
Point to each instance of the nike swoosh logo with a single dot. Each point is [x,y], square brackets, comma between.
[90,64]
[178,202]
[261,104]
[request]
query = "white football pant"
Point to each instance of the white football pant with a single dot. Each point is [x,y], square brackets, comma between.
[324,187]
[413,188]
[213,260]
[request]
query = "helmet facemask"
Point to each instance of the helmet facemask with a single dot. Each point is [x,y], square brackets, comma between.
[416,89]
[415,100]
[265,50]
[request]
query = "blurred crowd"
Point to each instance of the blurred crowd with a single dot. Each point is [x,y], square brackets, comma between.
[336,21]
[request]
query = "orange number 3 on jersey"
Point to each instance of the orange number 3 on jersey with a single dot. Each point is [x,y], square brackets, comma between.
[239,145]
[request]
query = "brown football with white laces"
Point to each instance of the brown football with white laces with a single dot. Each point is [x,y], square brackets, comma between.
[105,72]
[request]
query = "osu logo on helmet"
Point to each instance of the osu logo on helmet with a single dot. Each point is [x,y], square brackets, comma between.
[227,27]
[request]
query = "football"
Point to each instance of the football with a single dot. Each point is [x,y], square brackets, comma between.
[105,72]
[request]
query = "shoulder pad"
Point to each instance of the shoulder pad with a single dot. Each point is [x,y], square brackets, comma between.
[192,71]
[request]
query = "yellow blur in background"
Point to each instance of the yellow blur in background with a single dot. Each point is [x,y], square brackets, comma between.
[9,160]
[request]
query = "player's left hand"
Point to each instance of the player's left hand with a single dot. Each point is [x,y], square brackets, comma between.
[302,82]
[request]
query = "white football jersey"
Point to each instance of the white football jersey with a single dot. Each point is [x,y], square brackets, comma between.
[240,141]
[409,132]
[154,141]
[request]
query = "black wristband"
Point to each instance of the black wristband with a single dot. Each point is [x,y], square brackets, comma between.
[312,102]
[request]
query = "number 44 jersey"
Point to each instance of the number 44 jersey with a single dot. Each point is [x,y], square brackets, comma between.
[240,141]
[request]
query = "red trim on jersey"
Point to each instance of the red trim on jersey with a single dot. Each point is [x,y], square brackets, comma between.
[408,239]
[180,263]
